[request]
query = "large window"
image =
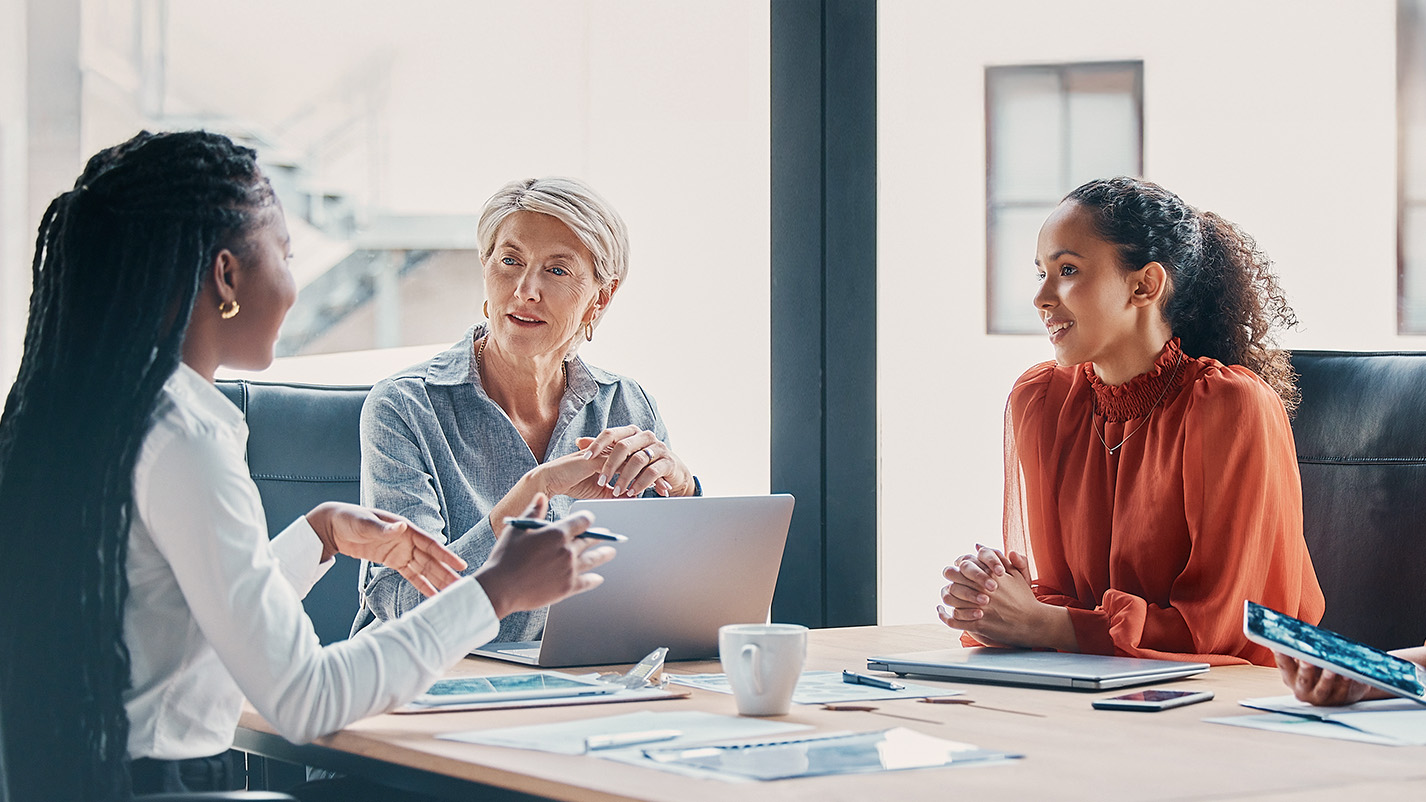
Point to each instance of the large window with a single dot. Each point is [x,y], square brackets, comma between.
[1411,116]
[385,127]
[1049,128]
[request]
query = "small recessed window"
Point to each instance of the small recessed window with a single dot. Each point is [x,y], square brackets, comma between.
[1049,128]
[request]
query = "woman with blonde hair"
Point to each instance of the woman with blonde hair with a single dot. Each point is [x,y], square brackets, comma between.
[461,442]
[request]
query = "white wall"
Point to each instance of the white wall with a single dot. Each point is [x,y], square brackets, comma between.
[1277,114]
[15,246]
[662,107]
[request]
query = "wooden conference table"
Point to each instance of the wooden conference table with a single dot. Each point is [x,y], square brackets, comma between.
[1072,752]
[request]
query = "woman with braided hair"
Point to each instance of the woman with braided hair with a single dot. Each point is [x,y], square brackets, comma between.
[143,599]
[1151,478]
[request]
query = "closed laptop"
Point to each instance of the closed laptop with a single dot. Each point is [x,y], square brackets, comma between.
[1090,672]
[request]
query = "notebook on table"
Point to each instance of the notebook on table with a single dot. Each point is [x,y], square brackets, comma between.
[1090,672]
[690,566]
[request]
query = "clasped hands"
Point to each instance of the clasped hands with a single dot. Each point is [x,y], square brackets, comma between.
[990,597]
[621,461]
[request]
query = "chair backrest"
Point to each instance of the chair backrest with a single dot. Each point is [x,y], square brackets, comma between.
[1361,448]
[304,448]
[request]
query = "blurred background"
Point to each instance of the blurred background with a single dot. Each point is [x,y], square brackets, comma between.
[386,126]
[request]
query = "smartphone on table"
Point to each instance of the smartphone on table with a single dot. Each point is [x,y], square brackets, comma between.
[1152,700]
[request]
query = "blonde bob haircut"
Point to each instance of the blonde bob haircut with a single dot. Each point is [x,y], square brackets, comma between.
[573,203]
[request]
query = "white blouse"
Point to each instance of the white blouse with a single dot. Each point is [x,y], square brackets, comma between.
[215,609]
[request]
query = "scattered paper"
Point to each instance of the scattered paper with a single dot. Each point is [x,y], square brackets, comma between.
[820,688]
[569,738]
[1297,725]
[1393,722]
[896,749]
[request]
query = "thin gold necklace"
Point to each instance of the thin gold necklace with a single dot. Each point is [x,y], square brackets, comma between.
[1178,361]
[480,352]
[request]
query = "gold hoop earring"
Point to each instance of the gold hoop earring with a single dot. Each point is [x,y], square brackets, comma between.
[589,331]
[228,309]
[485,307]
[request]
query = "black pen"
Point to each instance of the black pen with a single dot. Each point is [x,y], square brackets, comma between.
[537,523]
[853,678]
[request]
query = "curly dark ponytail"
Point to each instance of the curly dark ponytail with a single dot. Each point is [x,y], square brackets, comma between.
[118,263]
[1225,301]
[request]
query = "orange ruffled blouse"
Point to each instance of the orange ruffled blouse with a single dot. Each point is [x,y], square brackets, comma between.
[1154,548]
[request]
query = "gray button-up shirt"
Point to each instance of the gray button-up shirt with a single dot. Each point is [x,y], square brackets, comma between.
[437,450]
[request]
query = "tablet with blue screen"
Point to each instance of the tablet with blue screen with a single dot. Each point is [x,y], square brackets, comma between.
[1340,655]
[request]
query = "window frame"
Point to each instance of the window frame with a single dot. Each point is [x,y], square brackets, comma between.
[1410,50]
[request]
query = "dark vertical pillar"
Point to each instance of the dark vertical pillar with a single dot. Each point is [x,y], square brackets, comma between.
[824,306]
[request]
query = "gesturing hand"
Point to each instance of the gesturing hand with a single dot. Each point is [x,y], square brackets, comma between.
[530,569]
[382,537]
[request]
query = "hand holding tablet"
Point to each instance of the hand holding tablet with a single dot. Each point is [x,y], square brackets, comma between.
[1326,649]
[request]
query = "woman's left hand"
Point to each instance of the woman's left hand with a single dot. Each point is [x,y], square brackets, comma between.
[388,539]
[1015,617]
[631,460]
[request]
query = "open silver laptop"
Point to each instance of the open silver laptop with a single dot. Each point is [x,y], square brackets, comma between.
[1091,672]
[690,566]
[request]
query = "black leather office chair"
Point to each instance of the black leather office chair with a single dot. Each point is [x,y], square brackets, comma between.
[1361,448]
[304,448]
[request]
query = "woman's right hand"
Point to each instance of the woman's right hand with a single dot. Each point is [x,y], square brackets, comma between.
[531,569]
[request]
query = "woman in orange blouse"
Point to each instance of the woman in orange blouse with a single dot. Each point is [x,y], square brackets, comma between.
[1152,482]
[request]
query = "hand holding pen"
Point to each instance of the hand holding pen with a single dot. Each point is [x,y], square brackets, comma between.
[593,533]
[542,565]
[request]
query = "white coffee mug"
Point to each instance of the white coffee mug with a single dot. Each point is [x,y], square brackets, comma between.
[763,663]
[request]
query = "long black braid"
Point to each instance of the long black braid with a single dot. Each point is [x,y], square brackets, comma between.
[118,263]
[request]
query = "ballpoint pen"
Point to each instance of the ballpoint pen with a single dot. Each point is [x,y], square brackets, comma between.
[853,678]
[593,533]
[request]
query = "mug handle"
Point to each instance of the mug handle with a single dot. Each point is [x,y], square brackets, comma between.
[749,656]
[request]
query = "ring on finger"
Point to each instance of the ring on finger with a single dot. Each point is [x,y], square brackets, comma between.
[648,454]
